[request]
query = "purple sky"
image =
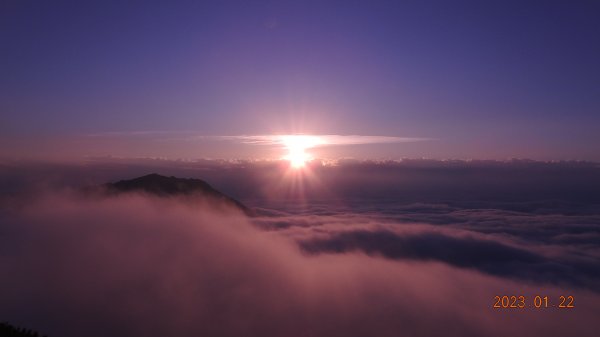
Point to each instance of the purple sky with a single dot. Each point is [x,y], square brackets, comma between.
[490,80]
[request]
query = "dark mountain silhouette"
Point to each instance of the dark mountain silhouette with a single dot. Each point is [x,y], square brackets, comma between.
[8,330]
[162,186]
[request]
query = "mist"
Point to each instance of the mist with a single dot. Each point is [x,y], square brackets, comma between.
[137,265]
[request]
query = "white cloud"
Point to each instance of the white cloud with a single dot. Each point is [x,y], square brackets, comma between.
[322,140]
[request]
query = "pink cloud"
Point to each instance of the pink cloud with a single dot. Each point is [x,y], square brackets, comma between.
[134,266]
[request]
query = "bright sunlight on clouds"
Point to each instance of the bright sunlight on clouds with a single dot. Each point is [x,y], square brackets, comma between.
[297,145]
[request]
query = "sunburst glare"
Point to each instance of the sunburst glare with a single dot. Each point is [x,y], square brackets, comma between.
[297,146]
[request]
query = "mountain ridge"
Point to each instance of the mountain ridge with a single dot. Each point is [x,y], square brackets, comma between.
[167,186]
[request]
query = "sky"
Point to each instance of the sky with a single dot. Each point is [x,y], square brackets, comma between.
[465,93]
[460,79]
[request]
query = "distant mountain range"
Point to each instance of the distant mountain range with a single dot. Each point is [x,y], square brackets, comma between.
[163,186]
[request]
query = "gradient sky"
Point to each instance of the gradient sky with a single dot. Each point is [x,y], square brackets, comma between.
[477,79]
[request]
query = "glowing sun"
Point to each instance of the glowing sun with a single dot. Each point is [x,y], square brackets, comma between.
[296,145]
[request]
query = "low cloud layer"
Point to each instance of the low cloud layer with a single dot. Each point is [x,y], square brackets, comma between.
[143,266]
[485,255]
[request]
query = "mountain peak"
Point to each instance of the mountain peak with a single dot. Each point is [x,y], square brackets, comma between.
[164,186]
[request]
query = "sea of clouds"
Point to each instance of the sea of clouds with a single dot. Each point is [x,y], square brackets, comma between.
[422,252]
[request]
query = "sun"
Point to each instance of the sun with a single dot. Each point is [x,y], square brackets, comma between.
[296,145]
[298,159]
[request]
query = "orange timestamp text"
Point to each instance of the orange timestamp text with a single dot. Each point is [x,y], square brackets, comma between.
[536,302]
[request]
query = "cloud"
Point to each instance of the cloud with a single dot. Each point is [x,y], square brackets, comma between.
[544,249]
[271,139]
[277,140]
[322,140]
[132,266]
[486,255]
[416,248]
